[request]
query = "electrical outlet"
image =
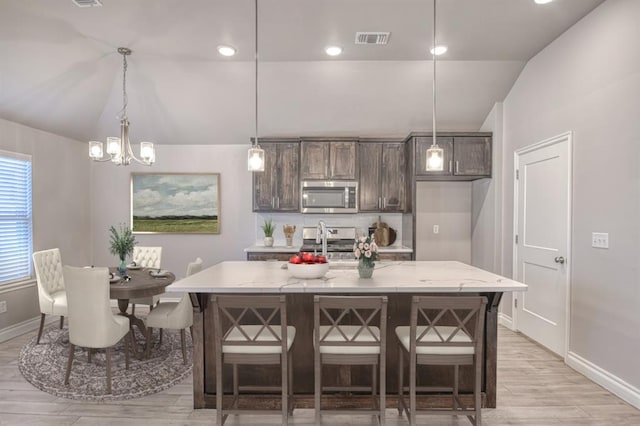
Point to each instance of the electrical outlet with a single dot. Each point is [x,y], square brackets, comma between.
[3,306]
[436,229]
[600,240]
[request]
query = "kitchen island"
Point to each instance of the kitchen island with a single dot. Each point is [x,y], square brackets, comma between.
[397,280]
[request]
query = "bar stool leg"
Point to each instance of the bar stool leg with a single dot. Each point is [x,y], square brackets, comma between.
[318,387]
[455,387]
[400,380]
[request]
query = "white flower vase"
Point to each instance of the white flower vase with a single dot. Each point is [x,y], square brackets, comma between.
[268,241]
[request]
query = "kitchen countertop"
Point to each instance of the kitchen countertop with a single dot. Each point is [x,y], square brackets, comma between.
[388,277]
[259,248]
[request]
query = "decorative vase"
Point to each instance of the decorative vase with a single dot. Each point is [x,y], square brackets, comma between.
[365,270]
[122,267]
[268,241]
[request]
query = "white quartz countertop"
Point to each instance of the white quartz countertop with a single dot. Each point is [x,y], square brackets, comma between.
[259,248]
[388,277]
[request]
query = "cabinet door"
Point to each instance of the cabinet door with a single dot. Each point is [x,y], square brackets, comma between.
[287,189]
[472,156]
[315,160]
[264,182]
[342,160]
[392,185]
[422,144]
[369,184]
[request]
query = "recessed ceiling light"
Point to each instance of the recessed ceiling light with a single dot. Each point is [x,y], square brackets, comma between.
[226,50]
[438,50]
[542,1]
[333,50]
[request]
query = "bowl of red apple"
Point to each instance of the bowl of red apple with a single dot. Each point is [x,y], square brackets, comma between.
[307,265]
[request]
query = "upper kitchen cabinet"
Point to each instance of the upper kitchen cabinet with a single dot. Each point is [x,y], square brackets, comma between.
[328,159]
[278,188]
[382,177]
[466,156]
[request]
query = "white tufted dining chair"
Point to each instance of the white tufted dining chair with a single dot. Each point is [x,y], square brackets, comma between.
[92,325]
[147,257]
[51,290]
[173,315]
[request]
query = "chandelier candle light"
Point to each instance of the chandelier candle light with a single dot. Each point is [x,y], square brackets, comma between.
[435,154]
[119,149]
[256,154]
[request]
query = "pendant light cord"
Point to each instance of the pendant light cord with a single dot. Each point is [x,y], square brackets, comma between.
[434,73]
[122,114]
[256,76]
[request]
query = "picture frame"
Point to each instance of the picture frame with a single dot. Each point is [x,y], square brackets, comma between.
[175,203]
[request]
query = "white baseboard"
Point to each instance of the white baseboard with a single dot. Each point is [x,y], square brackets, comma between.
[25,327]
[612,383]
[505,320]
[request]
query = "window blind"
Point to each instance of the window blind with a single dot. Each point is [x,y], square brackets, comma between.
[15,217]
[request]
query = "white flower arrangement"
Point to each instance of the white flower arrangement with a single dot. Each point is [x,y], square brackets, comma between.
[365,250]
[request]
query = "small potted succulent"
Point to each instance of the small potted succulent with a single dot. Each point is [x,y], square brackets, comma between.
[121,243]
[268,227]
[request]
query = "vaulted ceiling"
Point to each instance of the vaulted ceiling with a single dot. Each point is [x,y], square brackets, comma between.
[60,70]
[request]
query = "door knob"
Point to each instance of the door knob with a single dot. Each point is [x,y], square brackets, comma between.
[559,259]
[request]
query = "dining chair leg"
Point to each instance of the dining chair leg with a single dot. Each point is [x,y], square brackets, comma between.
[219,418]
[318,386]
[412,391]
[61,322]
[133,309]
[184,346]
[290,377]
[148,345]
[373,384]
[69,362]
[161,336]
[108,354]
[191,329]
[383,388]
[89,353]
[454,396]
[127,337]
[284,387]
[40,329]
[236,392]
[476,391]
[400,380]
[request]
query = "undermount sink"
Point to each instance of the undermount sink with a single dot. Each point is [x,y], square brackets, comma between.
[343,264]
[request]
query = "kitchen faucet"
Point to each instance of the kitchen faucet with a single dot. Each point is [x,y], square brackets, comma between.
[321,235]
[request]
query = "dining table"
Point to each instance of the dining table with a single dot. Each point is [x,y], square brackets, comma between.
[137,283]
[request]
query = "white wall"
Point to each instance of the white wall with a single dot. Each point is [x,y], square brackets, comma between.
[588,81]
[110,205]
[448,205]
[60,206]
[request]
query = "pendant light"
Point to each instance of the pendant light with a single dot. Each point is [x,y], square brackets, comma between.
[255,158]
[435,154]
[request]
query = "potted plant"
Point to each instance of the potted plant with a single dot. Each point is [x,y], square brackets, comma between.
[365,250]
[268,227]
[121,243]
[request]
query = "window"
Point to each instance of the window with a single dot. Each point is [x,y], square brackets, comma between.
[15,216]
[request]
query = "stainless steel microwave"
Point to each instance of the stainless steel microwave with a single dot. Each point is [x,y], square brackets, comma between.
[329,196]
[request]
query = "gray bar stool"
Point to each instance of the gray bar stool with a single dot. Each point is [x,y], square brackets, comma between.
[344,334]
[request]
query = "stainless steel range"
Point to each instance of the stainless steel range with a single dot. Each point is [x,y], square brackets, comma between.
[339,241]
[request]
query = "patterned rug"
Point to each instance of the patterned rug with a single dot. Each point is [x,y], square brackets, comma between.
[44,366]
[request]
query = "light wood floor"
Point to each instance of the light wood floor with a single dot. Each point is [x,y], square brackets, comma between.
[534,388]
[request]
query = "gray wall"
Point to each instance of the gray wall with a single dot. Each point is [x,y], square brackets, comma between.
[110,205]
[448,205]
[588,81]
[61,217]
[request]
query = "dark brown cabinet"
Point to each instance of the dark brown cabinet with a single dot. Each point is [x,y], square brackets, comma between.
[382,177]
[466,157]
[278,187]
[328,160]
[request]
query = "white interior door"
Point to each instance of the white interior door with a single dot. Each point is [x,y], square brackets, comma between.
[542,226]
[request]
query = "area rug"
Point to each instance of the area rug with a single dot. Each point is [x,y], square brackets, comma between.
[44,366]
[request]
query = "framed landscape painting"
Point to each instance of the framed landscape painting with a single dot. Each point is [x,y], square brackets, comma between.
[184,203]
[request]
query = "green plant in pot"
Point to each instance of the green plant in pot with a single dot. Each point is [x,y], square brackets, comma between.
[121,243]
[268,228]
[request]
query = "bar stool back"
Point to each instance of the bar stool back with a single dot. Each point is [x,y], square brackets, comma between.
[266,340]
[443,330]
[345,334]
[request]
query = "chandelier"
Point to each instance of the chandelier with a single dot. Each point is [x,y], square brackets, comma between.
[119,149]
[255,158]
[435,154]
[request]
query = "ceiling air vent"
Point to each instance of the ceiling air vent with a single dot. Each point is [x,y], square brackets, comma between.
[372,37]
[87,3]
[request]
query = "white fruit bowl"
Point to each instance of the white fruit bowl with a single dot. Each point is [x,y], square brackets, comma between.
[307,270]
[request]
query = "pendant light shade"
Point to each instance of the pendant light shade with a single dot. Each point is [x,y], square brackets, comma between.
[435,154]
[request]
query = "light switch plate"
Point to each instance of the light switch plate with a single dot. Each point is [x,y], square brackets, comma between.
[3,306]
[436,229]
[600,240]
